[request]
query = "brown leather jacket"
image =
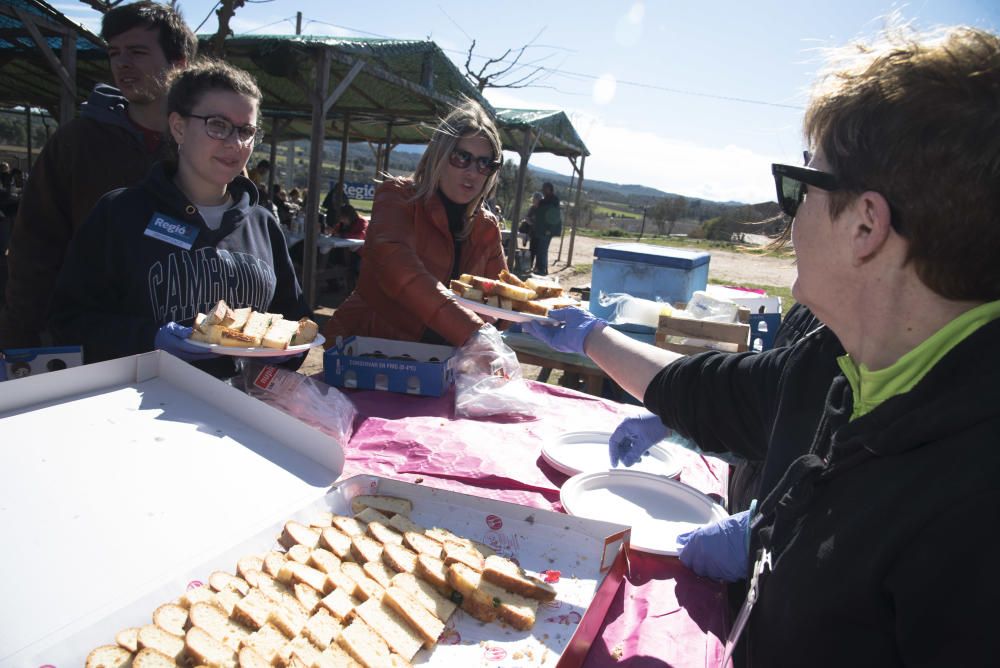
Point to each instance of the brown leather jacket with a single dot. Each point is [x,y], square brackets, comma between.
[403,287]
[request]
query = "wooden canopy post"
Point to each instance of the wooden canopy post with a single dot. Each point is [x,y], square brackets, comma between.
[576,212]
[345,139]
[562,234]
[388,147]
[524,151]
[316,135]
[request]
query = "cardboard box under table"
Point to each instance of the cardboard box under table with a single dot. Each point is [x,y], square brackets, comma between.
[128,482]
[657,273]
[368,363]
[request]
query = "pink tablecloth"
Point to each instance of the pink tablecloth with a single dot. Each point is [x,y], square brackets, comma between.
[663,614]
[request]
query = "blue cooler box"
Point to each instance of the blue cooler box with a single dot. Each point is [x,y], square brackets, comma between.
[657,273]
[368,363]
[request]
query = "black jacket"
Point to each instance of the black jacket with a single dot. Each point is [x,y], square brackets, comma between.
[883,531]
[119,285]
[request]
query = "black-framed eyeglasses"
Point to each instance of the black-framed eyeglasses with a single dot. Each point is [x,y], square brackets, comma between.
[485,164]
[792,182]
[219,127]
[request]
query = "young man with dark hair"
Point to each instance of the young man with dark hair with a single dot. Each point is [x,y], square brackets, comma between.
[112,144]
[874,543]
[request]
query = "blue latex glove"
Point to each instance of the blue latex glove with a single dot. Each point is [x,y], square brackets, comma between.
[173,338]
[633,438]
[569,337]
[720,550]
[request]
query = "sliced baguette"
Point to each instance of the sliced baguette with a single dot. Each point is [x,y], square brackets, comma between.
[424,594]
[149,657]
[484,600]
[109,656]
[299,553]
[394,630]
[427,626]
[378,572]
[247,564]
[399,558]
[217,624]
[156,638]
[322,628]
[364,645]
[455,553]
[335,656]
[296,533]
[348,525]
[368,515]
[389,504]
[340,603]
[433,571]
[253,610]
[402,524]
[196,595]
[307,596]
[505,573]
[384,534]
[338,542]
[365,549]
[267,642]
[171,617]
[207,650]
[324,560]
[421,544]
[221,581]
[299,652]
[367,588]
[511,279]
[128,639]
[250,658]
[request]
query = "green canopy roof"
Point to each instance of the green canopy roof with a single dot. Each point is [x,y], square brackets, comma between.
[554,130]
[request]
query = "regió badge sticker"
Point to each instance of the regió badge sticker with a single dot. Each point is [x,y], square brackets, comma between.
[171,230]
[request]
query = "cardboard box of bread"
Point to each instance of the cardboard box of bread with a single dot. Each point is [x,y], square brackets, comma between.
[535,296]
[246,328]
[385,573]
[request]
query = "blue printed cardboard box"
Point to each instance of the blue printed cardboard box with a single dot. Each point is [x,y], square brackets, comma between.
[23,362]
[369,363]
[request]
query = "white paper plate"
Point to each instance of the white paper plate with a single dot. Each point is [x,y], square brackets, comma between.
[235,351]
[587,452]
[502,313]
[659,509]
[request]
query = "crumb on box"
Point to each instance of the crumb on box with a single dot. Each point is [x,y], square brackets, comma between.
[517,656]
[418,481]
[617,652]
[530,519]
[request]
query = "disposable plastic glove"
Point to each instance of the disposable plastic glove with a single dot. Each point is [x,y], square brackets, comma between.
[634,437]
[568,337]
[720,550]
[173,338]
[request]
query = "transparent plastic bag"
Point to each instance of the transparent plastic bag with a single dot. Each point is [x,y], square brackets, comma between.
[317,404]
[633,310]
[488,379]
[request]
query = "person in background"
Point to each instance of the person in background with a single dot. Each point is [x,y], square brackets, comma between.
[6,177]
[527,225]
[879,430]
[425,231]
[260,175]
[548,223]
[295,197]
[151,257]
[112,144]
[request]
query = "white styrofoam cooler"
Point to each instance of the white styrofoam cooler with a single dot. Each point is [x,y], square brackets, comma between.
[123,482]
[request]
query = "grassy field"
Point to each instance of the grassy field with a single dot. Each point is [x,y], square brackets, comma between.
[687,242]
[605,210]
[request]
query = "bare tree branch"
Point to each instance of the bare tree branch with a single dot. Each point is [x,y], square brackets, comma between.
[495,70]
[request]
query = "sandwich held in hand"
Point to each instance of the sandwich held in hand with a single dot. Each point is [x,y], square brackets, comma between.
[246,328]
[508,292]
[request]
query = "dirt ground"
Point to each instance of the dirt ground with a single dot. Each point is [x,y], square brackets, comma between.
[727,266]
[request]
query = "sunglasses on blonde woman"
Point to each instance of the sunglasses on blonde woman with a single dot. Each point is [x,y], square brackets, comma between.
[485,164]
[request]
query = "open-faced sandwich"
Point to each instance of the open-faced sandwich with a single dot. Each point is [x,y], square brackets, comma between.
[246,328]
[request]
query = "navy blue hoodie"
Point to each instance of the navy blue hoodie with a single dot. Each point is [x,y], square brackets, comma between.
[145,257]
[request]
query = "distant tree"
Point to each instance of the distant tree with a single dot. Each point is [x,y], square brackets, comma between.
[667,210]
[225,12]
[11,132]
[507,188]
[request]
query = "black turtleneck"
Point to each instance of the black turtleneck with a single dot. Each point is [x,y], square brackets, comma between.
[456,221]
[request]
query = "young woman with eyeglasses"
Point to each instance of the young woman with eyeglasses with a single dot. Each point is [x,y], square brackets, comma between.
[151,257]
[425,230]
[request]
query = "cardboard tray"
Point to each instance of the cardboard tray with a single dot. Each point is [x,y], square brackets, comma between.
[116,476]
[126,482]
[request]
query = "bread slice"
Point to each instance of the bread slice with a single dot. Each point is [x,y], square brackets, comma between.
[348,525]
[253,610]
[279,594]
[306,332]
[364,645]
[296,533]
[338,542]
[322,628]
[459,288]
[250,658]
[389,504]
[544,288]
[394,630]
[324,560]
[299,553]
[478,595]
[402,524]
[235,339]
[505,573]
[293,572]
[377,571]
[152,658]
[463,554]
[399,558]
[205,333]
[300,648]
[220,581]
[227,600]
[434,571]
[511,279]
[171,617]
[249,563]
[427,626]
[206,650]
[287,620]
[128,639]
[109,656]
[383,534]
[344,582]
[279,335]
[196,595]
[335,657]
[368,515]
[421,544]
[273,561]
[424,594]
[219,314]
[267,642]
[365,549]
[253,332]
[307,596]
[340,603]
[156,638]
[321,520]
[217,624]
[367,588]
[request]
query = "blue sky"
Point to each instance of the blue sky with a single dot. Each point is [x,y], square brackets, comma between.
[691,98]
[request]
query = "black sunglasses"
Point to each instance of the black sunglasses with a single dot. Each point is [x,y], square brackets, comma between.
[791,183]
[218,127]
[485,164]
